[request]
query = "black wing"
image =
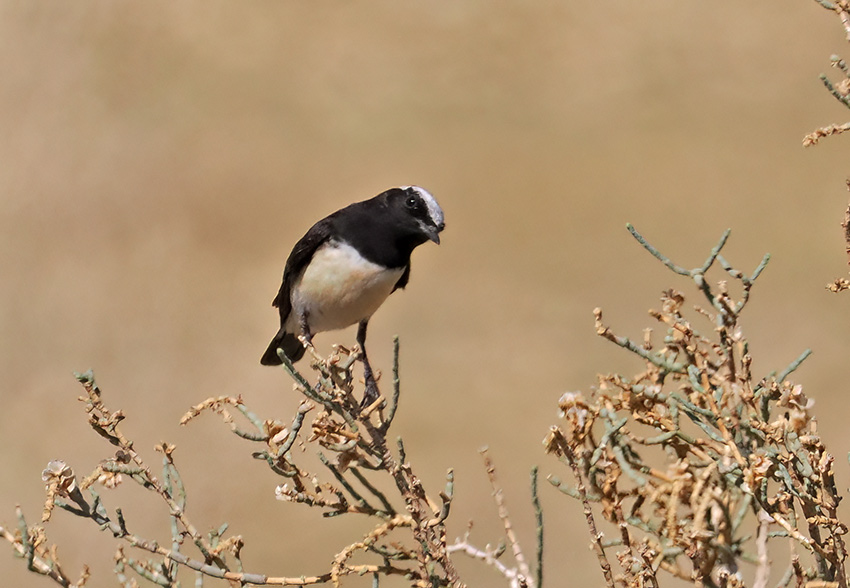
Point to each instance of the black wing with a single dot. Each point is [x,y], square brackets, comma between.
[402,281]
[301,255]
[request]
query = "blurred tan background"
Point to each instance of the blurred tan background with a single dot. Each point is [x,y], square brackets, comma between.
[158,160]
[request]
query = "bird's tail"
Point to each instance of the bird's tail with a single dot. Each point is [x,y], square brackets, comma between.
[290,344]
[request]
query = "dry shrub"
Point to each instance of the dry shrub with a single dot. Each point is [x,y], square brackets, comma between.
[689,457]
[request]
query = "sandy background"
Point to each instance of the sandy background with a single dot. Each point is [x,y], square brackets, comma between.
[158,160]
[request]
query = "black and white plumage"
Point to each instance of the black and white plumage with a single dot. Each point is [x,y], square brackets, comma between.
[346,265]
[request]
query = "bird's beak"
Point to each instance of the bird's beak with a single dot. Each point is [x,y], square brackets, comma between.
[433,232]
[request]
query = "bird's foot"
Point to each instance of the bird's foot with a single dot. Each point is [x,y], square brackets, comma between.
[371,395]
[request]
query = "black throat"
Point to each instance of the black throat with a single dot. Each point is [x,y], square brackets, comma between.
[377,238]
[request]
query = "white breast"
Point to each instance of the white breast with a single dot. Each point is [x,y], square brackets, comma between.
[339,288]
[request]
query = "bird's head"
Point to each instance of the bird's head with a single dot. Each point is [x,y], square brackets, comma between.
[416,209]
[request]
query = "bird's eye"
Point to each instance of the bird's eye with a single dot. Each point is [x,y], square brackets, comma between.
[411,202]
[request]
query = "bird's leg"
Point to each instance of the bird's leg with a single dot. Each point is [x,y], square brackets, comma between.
[372,392]
[306,336]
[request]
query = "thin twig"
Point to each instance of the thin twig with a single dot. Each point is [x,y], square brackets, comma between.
[503,514]
[538,516]
[763,568]
[595,535]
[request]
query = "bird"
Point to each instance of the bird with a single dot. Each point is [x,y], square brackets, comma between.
[341,271]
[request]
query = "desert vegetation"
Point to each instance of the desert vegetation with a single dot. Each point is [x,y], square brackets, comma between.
[694,470]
